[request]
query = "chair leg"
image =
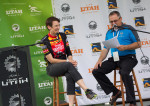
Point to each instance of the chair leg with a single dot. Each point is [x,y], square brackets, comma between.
[54,92]
[57,90]
[122,91]
[114,83]
[75,100]
[137,87]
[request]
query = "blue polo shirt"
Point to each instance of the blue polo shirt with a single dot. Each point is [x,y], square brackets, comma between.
[125,37]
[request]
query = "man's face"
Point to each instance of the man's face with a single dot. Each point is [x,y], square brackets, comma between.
[55,27]
[114,19]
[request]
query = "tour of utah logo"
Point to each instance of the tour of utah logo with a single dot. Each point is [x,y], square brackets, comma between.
[68,30]
[139,21]
[112,4]
[96,47]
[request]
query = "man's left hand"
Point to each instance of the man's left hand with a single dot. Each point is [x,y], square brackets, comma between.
[122,47]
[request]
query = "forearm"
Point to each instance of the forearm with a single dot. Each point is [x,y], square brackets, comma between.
[133,46]
[103,54]
[53,60]
[70,57]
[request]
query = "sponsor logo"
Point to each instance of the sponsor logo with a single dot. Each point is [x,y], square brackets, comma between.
[68,30]
[90,70]
[99,87]
[15,27]
[78,91]
[37,28]
[90,9]
[45,85]
[66,16]
[17,35]
[146,82]
[92,25]
[34,11]
[136,1]
[48,100]
[38,52]
[77,52]
[14,12]
[13,45]
[38,45]
[145,42]
[112,4]
[96,47]
[144,70]
[10,63]
[42,63]
[109,26]
[137,8]
[102,96]
[39,48]
[14,81]
[139,21]
[65,7]
[93,35]
[144,60]
[15,100]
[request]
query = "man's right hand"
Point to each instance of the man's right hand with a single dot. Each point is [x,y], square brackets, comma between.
[99,63]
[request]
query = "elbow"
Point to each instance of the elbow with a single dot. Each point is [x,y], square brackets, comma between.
[139,44]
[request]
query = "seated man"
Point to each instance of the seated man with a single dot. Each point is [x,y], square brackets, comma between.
[129,41]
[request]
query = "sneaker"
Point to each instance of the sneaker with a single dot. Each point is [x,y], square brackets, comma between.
[90,94]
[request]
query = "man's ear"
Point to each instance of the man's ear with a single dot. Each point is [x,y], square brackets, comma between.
[49,27]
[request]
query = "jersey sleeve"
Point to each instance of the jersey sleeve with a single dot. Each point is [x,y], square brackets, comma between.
[44,46]
[68,51]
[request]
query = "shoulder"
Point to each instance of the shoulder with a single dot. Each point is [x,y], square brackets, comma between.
[63,35]
[44,38]
[128,26]
[109,31]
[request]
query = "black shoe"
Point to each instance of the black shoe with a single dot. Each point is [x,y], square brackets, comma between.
[90,94]
[114,98]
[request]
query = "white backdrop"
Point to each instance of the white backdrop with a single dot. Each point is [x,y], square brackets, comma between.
[86,23]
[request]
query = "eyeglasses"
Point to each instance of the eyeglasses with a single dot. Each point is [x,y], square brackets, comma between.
[114,21]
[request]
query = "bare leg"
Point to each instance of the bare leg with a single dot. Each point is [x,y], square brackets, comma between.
[71,99]
[82,84]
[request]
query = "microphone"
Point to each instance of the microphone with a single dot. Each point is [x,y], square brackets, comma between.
[115,26]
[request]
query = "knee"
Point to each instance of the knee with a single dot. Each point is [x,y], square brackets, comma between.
[94,72]
[69,64]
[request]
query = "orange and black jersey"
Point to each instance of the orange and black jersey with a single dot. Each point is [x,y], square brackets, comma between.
[58,46]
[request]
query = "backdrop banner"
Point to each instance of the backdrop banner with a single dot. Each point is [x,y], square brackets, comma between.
[86,22]
[22,22]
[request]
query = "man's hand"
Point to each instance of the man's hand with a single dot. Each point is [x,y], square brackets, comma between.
[98,63]
[73,62]
[122,47]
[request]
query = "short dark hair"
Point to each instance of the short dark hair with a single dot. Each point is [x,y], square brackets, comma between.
[114,12]
[50,20]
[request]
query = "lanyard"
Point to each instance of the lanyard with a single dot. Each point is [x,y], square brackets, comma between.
[116,36]
[117,33]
